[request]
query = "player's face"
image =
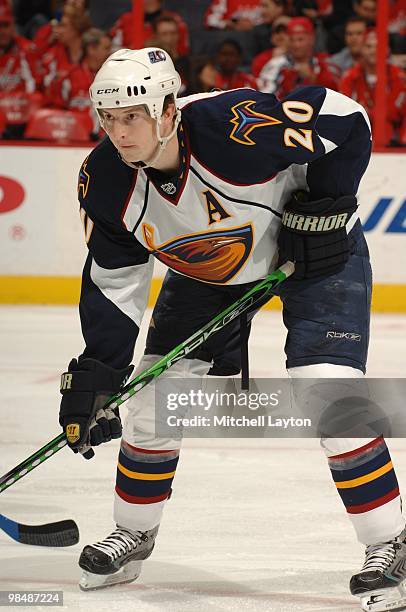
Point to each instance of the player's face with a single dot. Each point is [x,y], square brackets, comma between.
[132,131]
[354,36]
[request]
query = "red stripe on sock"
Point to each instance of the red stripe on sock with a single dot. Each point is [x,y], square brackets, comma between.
[374,504]
[155,452]
[359,450]
[135,499]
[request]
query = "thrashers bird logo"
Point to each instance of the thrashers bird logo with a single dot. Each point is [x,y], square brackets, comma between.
[246,119]
[213,257]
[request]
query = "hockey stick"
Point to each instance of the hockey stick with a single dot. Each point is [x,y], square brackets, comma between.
[259,293]
[62,533]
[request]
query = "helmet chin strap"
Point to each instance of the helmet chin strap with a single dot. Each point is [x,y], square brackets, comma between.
[162,144]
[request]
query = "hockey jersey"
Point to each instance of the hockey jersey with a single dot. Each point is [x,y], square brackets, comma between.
[216,220]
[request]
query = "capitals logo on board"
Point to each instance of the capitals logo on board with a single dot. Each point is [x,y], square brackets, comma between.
[84,178]
[212,257]
[246,119]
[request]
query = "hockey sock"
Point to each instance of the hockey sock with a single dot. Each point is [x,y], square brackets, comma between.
[143,483]
[366,482]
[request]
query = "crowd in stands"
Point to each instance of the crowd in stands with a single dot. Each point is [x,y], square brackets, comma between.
[50,51]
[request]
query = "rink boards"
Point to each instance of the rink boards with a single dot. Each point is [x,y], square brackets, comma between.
[42,247]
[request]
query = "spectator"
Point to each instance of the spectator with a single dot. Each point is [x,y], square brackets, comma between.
[228,61]
[19,75]
[271,10]
[334,24]
[299,66]
[367,10]
[397,29]
[360,83]
[397,17]
[46,36]
[279,45]
[240,15]
[71,90]
[205,77]
[355,30]
[68,50]
[122,31]
[166,36]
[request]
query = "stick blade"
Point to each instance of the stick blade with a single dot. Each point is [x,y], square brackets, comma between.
[61,533]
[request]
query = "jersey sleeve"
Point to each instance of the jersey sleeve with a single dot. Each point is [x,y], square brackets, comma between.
[247,137]
[327,131]
[117,273]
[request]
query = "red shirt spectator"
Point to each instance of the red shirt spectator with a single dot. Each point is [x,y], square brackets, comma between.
[397,17]
[234,81]
[45,37]
[68,51]
[360,83]
[300,66]
[279,40]
[71,90]
[19,76]
[122,31]
[19,67]
[233,14]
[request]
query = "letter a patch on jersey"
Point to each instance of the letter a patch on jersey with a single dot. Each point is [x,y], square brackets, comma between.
[246,119]
[215,210]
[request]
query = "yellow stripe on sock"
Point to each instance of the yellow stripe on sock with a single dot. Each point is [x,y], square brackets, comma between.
[355,482]
[142,476]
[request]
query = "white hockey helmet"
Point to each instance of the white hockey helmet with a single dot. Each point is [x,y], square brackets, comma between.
[132,77]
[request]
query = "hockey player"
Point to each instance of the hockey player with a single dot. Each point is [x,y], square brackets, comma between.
[201,184]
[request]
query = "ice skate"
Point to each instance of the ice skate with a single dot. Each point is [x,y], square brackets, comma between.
[117,559]
[381,584]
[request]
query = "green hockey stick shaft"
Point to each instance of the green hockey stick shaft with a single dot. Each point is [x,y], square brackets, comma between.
[259,293]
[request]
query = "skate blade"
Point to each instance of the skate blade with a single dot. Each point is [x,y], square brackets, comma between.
[381,600]
[128,573]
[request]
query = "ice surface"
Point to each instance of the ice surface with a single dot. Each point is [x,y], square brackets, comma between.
[253,525]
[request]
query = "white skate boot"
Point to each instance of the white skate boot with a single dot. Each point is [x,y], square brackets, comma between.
[381,584]
[117,559]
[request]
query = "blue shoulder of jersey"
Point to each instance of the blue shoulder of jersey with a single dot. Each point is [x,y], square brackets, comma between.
[104,183]
[239,133]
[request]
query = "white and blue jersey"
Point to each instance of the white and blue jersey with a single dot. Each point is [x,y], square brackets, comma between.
[216,220]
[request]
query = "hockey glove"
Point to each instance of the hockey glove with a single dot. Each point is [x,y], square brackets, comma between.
[313,235]
[85,388]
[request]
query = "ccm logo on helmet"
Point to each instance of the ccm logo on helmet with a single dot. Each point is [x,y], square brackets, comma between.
[108,91]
